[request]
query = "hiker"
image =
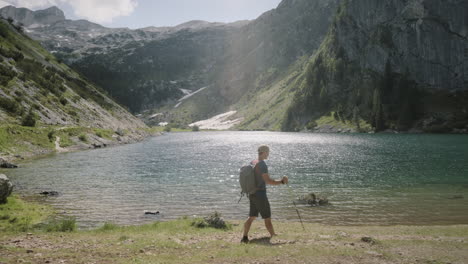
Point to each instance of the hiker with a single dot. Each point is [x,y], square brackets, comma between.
[259,200]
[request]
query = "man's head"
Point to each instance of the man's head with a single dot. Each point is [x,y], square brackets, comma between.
[263,152]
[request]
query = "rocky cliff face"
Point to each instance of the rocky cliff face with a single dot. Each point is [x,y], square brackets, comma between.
[428,39]
[394,64]
[33,18]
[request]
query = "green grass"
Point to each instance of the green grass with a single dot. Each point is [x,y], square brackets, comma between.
[264,108]
[330,120]
[20,216]
[103,133]
[18,139]
[26,141]
[65,224]
[178,241]
[158,129]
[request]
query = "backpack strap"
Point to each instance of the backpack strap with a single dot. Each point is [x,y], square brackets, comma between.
[242,195]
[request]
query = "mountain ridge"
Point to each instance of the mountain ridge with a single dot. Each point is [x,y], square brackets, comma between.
[293,55]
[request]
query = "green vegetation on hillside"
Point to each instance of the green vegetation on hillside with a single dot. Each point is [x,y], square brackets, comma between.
[21,140]
[33,82]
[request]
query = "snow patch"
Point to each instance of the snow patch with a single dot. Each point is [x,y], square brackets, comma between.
[218,122]
[190,95]
[185,91]
[155,115]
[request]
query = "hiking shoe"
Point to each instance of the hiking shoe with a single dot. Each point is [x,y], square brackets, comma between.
[245,240]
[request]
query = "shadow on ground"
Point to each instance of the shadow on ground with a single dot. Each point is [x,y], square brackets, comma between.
[266,241]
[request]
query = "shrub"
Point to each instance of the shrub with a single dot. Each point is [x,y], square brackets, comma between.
[83,138]
[195,128]
[29,119]
[167,128]
[19,93]
[67,224]
[6,75]
[215,221]
[73,113]
[11,106]
[51,135]
[63,100]
[3,30]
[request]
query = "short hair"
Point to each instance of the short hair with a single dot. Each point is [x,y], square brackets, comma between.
[263,148]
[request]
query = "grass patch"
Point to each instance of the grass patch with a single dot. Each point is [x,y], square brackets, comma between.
[159,129]
[103,133]
[67,224]
[83,138]
[108,227]
[18,139]
[20,216]
[335,121]
[179,241]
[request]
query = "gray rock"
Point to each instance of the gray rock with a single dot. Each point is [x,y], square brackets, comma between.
[151,212]
[369,240]
[49,193]
[313,200]
[6,187]
[7,165]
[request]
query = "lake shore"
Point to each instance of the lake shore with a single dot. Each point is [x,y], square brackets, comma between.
[178,241]
[24,143]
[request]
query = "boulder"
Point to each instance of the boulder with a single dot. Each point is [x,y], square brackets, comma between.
[49,193]
[151,212]
[7,165]
[313,200]
[6,187]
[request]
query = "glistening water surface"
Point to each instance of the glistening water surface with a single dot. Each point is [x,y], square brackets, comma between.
[369,179]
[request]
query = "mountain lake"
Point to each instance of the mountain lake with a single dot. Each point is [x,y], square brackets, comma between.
[369,179]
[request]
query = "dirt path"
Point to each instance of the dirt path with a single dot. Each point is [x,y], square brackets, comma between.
[57,145]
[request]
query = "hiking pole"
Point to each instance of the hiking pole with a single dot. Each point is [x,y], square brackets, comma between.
[295,207]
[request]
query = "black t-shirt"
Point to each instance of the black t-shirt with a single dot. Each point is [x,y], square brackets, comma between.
[260,169]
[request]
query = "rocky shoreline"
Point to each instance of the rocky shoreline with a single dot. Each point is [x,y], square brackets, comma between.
[337,129]
[92,141]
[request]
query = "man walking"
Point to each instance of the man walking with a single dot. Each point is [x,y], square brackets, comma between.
[259,200]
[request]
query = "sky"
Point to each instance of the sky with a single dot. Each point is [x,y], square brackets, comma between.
[144,13]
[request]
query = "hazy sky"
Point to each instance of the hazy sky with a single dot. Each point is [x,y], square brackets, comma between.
[143,13]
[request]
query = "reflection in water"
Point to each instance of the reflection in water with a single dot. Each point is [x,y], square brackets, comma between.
[369,179]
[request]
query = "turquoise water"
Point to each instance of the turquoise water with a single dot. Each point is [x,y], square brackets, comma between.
[374,179]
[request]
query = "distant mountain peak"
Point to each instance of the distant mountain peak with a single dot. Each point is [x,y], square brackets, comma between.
[53,10]
[28,17]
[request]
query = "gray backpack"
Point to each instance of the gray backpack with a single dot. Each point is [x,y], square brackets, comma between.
[247,180]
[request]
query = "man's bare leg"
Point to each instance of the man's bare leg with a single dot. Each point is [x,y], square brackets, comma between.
[248,224]
[269,227]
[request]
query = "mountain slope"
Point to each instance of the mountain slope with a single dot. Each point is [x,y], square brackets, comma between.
[37,91]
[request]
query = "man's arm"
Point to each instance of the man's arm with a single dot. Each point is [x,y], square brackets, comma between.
[268,180]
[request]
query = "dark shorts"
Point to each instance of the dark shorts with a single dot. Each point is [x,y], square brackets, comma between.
[259,204]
